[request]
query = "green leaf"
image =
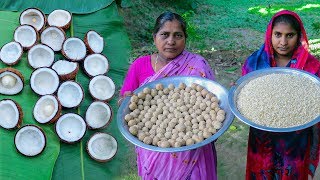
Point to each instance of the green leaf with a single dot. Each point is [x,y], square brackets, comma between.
[47,6]
[231,69]
[233,128]
[12,164]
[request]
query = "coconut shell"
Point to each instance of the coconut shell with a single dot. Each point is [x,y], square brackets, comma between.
[70,76]
[109,121]
[45,139]
[67,26]
[68,142]
[43,58]
[64,35]
[15,71]
[86,42]
[18,59]
[58,113]
[36,70]
[82,92]
[65,54]
[20,115]
[87,73]
[103,100]
[43,15]
[35,42]
[100,160]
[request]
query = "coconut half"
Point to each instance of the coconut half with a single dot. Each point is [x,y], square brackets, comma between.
[66,70]
[26,35]
[40,55]
[98,115]
[70,94]
[70,128]
[11,53]
[30,140]
[53,37]
[11,81]
[74,49]
[10,114]
[47,109]
[102,147]
[33,17]
[94,42]
[95,64]
[60,18]
[44,81]
[102,88]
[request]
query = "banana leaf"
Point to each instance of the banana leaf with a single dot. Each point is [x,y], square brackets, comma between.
[12,164]
[47,6]
[73,161]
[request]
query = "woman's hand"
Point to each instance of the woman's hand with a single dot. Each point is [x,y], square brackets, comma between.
[125,94]
[232,84]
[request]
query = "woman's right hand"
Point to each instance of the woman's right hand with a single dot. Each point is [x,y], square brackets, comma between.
[125,94]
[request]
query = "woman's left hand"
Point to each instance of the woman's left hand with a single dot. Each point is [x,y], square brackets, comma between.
[125,94]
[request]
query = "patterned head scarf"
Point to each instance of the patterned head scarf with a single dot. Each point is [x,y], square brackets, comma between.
[264,57]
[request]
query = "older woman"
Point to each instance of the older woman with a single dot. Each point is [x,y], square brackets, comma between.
[292,155]
[172,59]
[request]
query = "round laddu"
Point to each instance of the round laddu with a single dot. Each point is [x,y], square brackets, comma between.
[173,116]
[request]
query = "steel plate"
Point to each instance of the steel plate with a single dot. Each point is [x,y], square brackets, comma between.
[210,85]
[234,91]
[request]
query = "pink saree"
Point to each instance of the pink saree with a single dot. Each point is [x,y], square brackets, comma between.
[194,164]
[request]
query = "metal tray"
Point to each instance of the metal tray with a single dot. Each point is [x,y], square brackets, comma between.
[234,91]
[210,85]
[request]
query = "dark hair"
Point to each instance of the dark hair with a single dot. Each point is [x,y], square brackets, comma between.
[288,19]
[169,16]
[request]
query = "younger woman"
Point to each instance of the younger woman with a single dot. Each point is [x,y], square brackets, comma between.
[292,155]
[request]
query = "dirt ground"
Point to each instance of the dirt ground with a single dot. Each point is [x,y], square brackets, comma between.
[231,146]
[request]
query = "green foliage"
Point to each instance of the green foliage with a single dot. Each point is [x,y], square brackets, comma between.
[316,26]
[192,29]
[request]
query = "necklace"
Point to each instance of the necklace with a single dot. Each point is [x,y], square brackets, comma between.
[155,64]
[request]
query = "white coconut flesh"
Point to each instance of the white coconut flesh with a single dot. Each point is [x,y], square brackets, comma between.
[45,109]
[10,83]
[74,49]
[33,17]
[59,18]
[63,67]
[11,53]
[26,35]
[70,94]
[30,140]
[70,127]
[53,37]
[102,87]
[98,115]
[9,114]
[96,64]
[40,56]
[95,41]
[102,146]
[44,81]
